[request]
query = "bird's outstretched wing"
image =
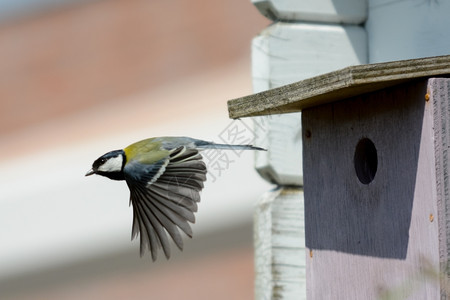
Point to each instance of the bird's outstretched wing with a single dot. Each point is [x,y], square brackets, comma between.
[164,196]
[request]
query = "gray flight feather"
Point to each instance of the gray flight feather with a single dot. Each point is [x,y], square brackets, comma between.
[164,197]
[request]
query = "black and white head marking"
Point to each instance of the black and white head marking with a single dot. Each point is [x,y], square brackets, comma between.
[110,165]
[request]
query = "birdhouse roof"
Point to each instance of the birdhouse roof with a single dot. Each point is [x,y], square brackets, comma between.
[334,86]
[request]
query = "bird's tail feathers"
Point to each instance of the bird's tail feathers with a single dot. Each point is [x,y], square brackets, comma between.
[228,147]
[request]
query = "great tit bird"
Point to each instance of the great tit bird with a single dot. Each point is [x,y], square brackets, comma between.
[165,176]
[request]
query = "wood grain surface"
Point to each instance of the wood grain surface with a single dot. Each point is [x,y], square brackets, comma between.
[380,238]
[337,85]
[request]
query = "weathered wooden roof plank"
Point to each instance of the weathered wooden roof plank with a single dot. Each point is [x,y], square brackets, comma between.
[337,85]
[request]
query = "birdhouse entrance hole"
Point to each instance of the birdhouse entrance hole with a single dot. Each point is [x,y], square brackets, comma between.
[366,160]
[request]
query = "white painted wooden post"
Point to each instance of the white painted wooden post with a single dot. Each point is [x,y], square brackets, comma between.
[307,38]
[279,237]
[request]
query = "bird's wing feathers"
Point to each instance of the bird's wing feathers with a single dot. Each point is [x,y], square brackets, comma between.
[164,197]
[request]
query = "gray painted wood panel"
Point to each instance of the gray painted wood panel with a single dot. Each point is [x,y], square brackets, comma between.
[439,93]
[379,239]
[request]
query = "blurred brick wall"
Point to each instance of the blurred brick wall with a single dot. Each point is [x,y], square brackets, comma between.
[67,60]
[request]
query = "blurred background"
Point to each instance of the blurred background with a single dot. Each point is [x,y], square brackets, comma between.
[79,78]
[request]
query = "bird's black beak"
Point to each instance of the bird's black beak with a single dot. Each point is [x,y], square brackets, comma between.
[90,172]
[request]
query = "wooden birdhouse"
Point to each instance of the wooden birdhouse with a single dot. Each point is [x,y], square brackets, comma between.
[376,174]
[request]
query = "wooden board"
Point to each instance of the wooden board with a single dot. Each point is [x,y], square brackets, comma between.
[284,53]
[338,85]
[382,238]
[328,11]
[280,245]
[439,91]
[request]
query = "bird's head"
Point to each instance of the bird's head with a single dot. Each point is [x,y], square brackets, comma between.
[109,165]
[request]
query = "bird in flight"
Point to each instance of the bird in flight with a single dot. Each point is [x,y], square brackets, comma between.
[165,176]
